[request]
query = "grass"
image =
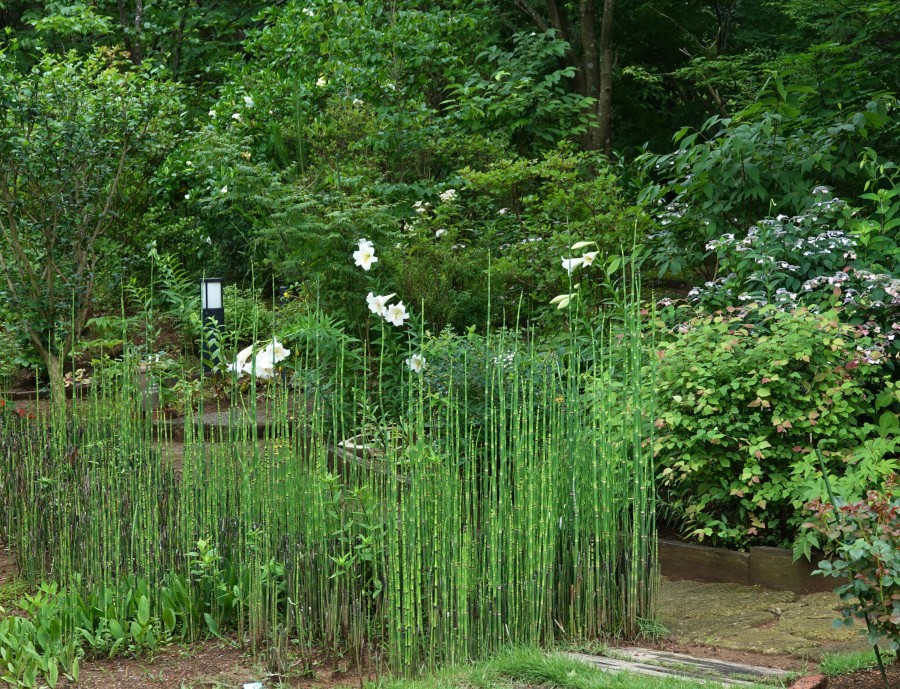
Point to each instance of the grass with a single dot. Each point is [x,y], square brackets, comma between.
[834,664]
[11,591]
[526,667]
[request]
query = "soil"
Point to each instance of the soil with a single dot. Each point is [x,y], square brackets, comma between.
[7,565]
[206,665]
[866,679]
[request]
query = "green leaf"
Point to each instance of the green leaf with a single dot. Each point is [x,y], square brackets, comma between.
[52,672]
[212,625]
[116,630]
[168,618]
[143,615]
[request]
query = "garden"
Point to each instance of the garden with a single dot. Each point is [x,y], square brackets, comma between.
[398,344]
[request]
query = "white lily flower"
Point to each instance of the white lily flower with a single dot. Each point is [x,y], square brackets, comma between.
[562,301]
[264,365]
[364,257]
[416,363]
[396,314]
[378,304]
[588,258]
[571,264]
[241,361]
[580,245]
[277,351]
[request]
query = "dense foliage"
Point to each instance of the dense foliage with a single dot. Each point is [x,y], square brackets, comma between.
[499,177]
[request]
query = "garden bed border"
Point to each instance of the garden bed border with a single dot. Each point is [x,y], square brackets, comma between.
[771,568]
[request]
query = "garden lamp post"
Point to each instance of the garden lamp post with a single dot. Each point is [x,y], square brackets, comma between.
[212,313]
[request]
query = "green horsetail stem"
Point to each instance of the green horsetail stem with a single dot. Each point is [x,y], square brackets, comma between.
[464,528]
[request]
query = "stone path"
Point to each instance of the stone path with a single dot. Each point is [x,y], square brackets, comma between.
[754,619]
[653,663]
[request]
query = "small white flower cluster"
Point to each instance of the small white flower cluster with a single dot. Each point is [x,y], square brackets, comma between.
[421,207]
[448,196]
[672,212]
[263,364]
[822,280]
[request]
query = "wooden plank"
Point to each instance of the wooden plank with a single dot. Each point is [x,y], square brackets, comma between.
[699,563]
[775,568]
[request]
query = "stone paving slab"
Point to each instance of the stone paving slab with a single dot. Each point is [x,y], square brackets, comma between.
[653,663]
[751,618]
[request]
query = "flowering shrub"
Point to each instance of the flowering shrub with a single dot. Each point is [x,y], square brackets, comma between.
[743,396]
[862,540]
[817,258]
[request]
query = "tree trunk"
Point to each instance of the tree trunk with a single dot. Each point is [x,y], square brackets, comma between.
[57,386]
[604,101]
[590,65]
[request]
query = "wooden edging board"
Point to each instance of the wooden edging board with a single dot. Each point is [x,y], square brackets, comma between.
[772,568]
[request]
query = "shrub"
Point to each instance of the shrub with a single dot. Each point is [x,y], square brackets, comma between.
[863,542]
[744,396]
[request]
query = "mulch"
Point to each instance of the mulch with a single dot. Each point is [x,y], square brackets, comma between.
[866,679]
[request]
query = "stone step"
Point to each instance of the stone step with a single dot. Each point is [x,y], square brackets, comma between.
[654,663]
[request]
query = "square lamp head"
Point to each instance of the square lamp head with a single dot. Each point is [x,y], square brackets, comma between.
[211,293]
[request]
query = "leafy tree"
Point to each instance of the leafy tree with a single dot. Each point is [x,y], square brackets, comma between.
[195,41]
[79,136]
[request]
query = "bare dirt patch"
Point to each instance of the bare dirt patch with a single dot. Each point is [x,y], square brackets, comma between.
[205,665]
